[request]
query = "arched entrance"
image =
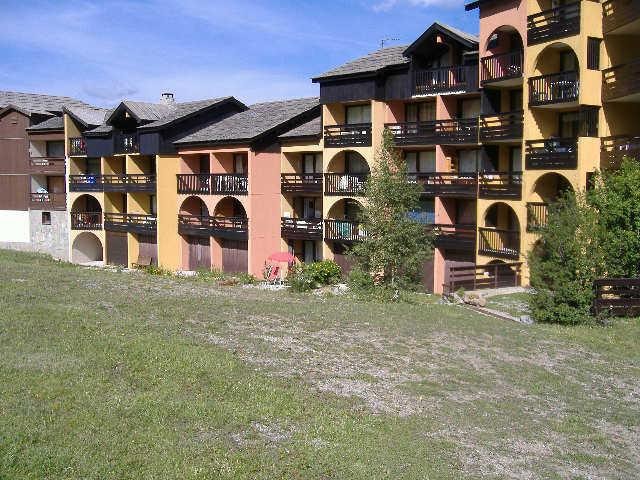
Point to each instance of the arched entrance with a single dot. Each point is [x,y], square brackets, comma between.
[86,213]
[86,248]
[500,233]
[232,235]
[547,190]
[196,245]
[347,173]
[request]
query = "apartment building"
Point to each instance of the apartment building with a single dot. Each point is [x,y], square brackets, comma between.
[32,173]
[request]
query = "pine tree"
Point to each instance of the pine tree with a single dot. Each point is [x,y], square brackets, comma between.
[395,246]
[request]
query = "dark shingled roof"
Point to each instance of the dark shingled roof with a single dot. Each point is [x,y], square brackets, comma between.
[180,110]
[88,116]
[259,119]
[53,123]
[36,103]
[370,63]
[312,128]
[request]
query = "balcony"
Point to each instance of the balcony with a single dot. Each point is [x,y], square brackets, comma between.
[235,228]
[476,277]
[501,127]
[347,135]
[138,182]
[454,131]
[301,228]
[537,213]
[558,22]
[452,184]
[621,17]
[126,143]
[621,83]
[130,222]
[504,69]
[85,183]
[496,185]
[86,220]
[48,201]
[213,183]
[455,79]
[47,165]
[556,88]
[496,242]
[614,149]
[454,237]
[551,154]
[347,231]
[301,183]
[345,184]
[77,146]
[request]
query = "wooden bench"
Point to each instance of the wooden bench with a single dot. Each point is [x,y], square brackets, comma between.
[143,262]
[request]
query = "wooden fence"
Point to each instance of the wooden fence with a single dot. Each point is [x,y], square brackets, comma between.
[617,296]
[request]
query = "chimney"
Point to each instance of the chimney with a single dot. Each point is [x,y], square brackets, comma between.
[167,98]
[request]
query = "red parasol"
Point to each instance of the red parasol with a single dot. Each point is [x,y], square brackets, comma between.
[282,257]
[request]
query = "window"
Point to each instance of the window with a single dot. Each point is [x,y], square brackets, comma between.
[311,163]
[46,218]
[568,61]
[153,204]
[425,213]
[593,53]
[358,114]
[204,163]
[93,166]
[569,124]
[55,148]
[309,251]
[469,108]
[468,161]
[515,160]
[583,123]
[515,100]
[354,163]
[492,42]
[239,163]
[421,161]
[589,121]
[420,112]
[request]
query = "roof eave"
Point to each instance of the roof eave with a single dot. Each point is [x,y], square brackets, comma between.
[437,27]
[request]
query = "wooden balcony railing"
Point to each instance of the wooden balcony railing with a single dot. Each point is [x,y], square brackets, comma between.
[348,135]
[501,127]
[137,182]
[130,222]
[616,13]
[454,236]
[506,185]
[614,149]
[301,182]
[77,146]
[301,228]
[477,277]
[554,88]
[459,78]
[47,165]
[619,297]
[213,183]
[223,227]
[451,184]
[452,131]
[126,143]
[86,220]
[48,201]
[558,22]
[496,242]
[345,183]
[343,230]
[553,153]
[621,81]
[503,66]
[85,183]
[536,215]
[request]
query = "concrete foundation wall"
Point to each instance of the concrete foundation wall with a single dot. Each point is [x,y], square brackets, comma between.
[50,239]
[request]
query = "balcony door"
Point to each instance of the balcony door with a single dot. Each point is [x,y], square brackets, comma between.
[420,112]
[418,162]
[55,185]
[55,148]
[308,207]
[240,163]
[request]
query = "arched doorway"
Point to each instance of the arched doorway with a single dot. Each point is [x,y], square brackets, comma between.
[547,190]
[86,248]
[555,76]
[86,213]
[193,223]
[502,65]
[232,234]
[347,173]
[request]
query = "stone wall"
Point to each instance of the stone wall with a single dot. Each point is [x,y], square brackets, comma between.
[50,239]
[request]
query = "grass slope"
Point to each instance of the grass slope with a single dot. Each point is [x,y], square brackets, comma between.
[126,375]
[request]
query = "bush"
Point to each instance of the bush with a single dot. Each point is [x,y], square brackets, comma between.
[155,270]
[209,274]
[360,282]
[246,278]
[307,276]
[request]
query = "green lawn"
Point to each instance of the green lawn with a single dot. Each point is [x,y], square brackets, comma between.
[127,375]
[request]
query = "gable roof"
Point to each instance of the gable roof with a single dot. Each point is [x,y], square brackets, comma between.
[30,103]
[467,39]
[53,123]
[312,128]
[87,116]
[186,109]
[258,120]
[370,63]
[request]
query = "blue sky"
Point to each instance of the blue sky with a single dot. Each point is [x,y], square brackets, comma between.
[103,51]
